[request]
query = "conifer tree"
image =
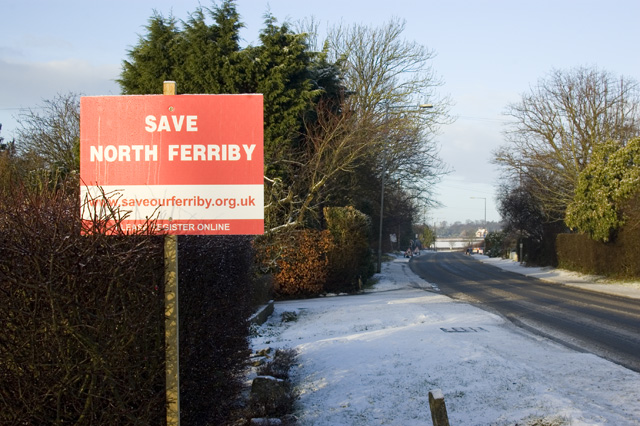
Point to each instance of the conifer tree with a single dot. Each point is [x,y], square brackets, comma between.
[280,71]
[227,36]
[153,60]
[210,54]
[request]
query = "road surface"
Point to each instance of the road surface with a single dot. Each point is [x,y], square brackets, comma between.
[605,325]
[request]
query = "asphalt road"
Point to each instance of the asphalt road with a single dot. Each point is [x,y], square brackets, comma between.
[605,325]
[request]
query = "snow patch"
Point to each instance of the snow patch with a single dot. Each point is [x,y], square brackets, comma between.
[372,359]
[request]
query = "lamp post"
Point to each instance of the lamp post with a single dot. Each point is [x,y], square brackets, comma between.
[485,209]
[484,233]
[384,170]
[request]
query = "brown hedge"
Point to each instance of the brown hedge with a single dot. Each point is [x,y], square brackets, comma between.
[298,261]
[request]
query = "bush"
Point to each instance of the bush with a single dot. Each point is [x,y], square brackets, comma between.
[272,393]
[497,244]
[279,367]
[83,338]
[215,304]
[350,262]
[298,261]
[309,262]
[83,319]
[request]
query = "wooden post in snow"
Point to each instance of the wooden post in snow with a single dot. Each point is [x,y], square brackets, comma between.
[438,408]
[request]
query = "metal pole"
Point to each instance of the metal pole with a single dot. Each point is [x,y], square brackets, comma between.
[485,209]
[485,214]
[379,268]
[384,167]
[484,234]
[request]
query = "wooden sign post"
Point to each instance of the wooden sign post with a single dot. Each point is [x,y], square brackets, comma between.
[171,326]
[172,335]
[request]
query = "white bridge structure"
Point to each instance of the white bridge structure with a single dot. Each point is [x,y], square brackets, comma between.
[457,244]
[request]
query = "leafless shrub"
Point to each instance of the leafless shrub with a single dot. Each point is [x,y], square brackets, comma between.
[82,340]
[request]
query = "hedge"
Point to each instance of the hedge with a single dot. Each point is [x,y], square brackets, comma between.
[619,259]
[298,261]
[82,340]
[215,280]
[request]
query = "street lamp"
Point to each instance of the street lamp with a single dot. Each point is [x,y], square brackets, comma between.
[384,167]
[485,209]
[484,232]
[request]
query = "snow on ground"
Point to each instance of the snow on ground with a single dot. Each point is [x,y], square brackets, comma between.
[371,359]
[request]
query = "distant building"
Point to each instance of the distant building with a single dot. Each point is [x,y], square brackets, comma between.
[481,233]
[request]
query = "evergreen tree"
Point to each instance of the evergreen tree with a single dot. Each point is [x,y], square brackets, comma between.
[153,60]
[314,141]
[604,188]
[227,36]
[280,71]
[205,58]
[210,54]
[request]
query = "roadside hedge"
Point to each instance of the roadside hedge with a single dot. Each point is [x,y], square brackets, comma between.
[82,340]
[310,262]
[619,259]
[298,261]
[215,281]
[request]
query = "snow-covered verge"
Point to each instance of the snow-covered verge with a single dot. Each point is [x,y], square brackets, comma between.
[371,359]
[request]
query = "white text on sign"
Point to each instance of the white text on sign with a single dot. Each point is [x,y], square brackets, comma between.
[182,152]
[177,122]
[210,152]
[231,152]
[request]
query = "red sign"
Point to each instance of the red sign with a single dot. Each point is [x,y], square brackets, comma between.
[193,162]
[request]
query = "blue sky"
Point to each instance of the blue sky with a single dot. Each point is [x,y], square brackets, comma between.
[488,54]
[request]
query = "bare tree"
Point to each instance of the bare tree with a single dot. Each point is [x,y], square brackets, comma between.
[557,125]
[335,144]
[49,135]
[380,67]
[387,77]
